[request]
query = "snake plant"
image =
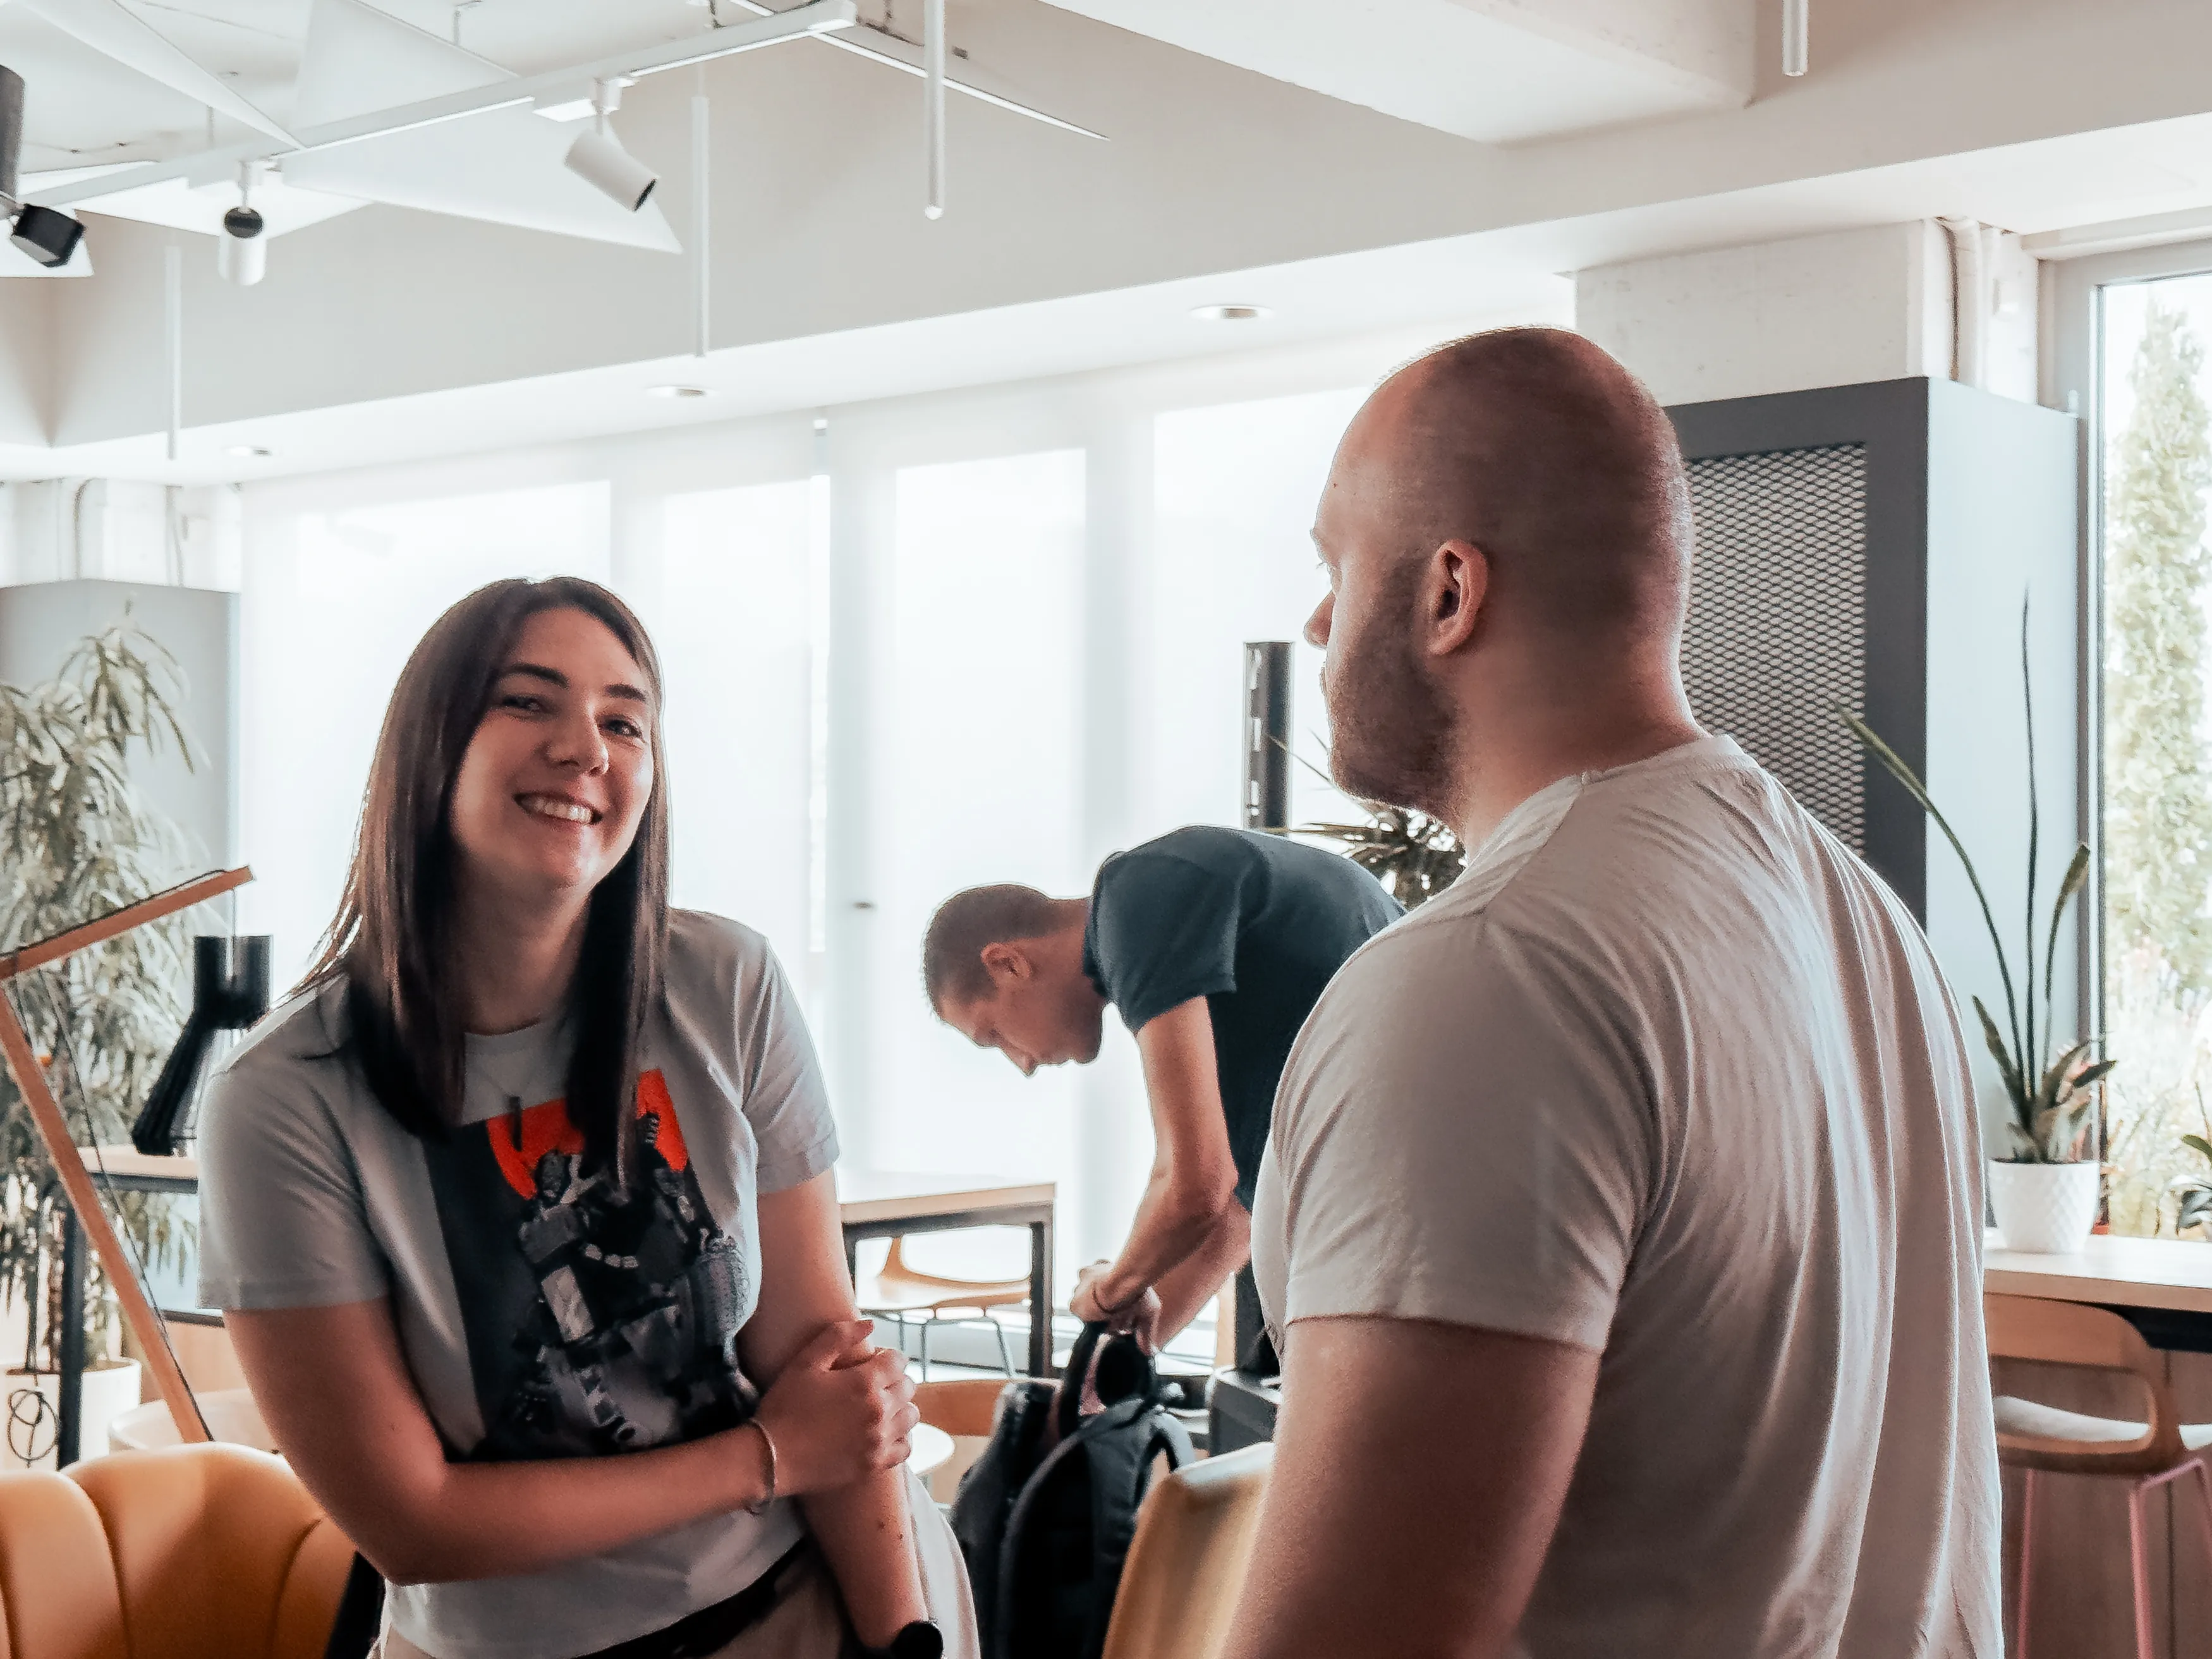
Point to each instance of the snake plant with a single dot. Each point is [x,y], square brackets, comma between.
[2052,1094]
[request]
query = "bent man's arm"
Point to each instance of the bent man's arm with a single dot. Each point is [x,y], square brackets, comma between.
[1193,1180]
[1419,1471]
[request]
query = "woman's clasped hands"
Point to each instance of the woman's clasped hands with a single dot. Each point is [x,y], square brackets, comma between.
[843,1409]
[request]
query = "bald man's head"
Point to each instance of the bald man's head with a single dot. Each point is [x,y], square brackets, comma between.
[1537,447]
[1558,479]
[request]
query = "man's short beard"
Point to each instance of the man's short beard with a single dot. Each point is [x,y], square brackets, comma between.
[1390,722]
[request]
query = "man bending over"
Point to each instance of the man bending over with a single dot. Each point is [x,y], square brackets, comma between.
[1214,945]
[1622,1225]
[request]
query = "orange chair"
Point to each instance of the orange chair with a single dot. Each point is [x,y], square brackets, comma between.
[1186,1565]
[202,1552]
[898,1293]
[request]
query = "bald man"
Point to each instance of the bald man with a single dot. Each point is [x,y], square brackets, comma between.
[1621,1223]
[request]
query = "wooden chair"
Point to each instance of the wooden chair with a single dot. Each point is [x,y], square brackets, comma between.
[201,1552]
[966,1409]
[899,1293]
[2038,1440]
[1186,1565]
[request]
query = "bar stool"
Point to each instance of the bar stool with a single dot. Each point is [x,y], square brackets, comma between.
[2038,1439]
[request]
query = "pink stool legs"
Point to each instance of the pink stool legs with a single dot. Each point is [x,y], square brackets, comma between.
[2138,1557]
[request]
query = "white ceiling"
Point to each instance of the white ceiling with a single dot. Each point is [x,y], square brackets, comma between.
[1496,70]
[82,108]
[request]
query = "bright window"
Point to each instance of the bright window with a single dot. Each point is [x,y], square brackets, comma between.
[735,626]
[978,753]
[1234,491]
[2155,401]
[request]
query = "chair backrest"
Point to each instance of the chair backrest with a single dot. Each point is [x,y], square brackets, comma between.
[967,1409]
[202,1552]
[1186,1565]
[2054,1333]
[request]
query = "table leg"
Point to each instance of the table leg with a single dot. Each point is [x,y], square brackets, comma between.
[852,1263]
[71,1413]
[1041,1298]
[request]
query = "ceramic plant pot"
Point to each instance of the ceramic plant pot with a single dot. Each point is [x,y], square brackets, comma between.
[33,1411]
[2046,1209]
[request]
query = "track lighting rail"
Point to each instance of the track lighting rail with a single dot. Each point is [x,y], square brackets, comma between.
[820,19]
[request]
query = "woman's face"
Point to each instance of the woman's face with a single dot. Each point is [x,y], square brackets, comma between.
[556,778]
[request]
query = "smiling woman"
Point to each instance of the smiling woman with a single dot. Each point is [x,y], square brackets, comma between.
[521,1213]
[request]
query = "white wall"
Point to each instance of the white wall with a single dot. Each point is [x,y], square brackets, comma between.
[1787,316]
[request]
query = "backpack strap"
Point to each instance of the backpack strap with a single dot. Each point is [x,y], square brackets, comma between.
[1033,1491]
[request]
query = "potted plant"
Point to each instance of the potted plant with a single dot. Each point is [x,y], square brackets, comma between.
[2044,1190]
[1413,856]
[82,841]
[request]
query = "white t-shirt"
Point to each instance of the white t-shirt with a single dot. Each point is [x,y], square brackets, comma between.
[1669,1075]
[543,1311]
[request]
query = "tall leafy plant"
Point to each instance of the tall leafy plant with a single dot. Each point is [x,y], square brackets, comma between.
[2052,1092]
[81,841]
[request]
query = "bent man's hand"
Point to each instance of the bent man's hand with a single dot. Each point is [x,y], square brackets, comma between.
[1139,1318]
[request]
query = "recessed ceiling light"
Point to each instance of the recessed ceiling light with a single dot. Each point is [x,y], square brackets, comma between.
[247,451]
[679,391]
[1230,314]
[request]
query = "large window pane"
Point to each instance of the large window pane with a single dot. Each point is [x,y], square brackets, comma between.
[2157,782]
[1233,490]
[978,750]
[328,623]
[735,629]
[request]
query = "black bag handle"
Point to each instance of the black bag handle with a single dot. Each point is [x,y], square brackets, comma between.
[1067,1408]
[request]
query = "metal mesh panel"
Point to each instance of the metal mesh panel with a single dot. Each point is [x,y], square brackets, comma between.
[1778,617]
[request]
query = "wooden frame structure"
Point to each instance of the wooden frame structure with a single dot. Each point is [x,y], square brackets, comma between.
[138,1312]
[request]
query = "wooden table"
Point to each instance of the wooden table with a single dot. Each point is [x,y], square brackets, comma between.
[2162,1286]
[872,1204]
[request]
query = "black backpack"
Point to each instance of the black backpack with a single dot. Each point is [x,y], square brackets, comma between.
[1046,1514]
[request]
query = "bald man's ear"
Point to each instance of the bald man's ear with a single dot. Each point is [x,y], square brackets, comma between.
[1457,584]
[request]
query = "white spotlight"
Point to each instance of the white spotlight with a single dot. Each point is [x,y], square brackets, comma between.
[240,254]
[599,159]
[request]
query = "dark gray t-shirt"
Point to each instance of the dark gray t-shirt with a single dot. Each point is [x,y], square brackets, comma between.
[1256,924]
[543,1313]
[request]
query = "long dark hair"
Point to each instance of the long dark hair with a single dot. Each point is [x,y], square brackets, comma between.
[392,944]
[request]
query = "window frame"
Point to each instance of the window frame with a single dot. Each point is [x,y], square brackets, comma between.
[2072,306]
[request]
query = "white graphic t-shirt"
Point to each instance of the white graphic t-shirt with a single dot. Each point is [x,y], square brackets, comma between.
[543,1312]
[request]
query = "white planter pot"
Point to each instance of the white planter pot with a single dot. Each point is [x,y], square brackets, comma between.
[110,1390]
[230,1415]
[2044,1209]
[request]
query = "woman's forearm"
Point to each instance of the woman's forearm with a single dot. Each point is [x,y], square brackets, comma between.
[463,1526]
[867,1534]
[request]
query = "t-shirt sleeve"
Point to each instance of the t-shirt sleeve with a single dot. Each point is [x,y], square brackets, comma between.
[1167,932]
[282,1221]
[1462,1136]
[786,1101]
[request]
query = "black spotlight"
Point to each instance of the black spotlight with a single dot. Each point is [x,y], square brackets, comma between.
[243,222]
[47,235]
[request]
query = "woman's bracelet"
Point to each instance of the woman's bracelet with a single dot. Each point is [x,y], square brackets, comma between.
[768,1497]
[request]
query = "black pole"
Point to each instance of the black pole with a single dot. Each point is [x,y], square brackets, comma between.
[1267,735]
[72,1341]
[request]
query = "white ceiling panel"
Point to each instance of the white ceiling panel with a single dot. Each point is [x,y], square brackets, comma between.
[126,38]
[1497,70]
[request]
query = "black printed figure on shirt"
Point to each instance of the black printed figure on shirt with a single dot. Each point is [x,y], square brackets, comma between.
[597,1319]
